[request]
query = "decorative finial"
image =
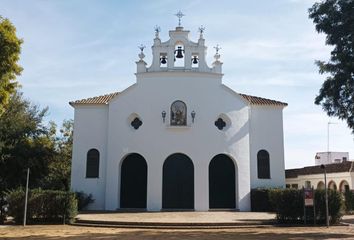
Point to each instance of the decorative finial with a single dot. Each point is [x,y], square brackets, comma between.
[157,31]
[179,14]
[201,30]
[217,55]
[141,54]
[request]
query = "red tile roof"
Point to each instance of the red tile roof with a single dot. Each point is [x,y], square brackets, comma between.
[253,100]
[347,166]
[104,99]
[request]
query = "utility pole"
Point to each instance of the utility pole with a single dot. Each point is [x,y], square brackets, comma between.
[26,199]
[326,194]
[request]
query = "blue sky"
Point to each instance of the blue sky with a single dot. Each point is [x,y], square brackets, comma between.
[81,48]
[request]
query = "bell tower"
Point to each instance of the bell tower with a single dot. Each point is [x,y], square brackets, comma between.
[179,53]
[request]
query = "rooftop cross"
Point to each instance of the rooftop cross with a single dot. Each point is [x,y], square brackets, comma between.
[157,31]
[201,30]
[217,48]
[179,14]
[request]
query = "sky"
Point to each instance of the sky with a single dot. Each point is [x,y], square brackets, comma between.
[76,49]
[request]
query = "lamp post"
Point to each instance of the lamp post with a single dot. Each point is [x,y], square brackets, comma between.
[326,193]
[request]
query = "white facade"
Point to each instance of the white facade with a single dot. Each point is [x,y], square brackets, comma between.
[331,157]
[105,123]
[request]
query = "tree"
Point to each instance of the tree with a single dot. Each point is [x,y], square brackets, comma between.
[58,177]
[335,18]
[24,143]
[10,48]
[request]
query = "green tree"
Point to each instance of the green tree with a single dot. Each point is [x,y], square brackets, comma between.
[335,18]
[24,143]
[10,49]
[58,177]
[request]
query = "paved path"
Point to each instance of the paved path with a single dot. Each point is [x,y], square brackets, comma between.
[181,217]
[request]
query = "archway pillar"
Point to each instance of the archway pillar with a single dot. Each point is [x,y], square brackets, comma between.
[154,186]
[201,183]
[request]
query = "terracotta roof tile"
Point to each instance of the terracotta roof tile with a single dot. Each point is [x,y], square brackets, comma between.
[104,99]
[347,166]
[253,100]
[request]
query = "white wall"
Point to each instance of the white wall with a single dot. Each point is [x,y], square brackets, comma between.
[266,132]
[90,131]
[156,140]
[316,178]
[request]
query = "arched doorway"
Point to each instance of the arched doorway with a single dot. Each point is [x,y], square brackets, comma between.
[178,182]
[222,181]
[344,186]
[133,186]
[332,185]
[320,185]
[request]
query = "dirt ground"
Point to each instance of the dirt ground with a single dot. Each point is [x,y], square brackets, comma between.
[54,232]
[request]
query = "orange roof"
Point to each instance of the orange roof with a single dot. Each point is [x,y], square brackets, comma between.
[253,100]
[104,99]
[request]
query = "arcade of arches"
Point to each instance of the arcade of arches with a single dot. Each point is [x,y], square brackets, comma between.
[178,182]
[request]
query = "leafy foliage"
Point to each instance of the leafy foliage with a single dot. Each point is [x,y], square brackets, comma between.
[349,201]
[260,201]
[289,205]
[25,142]
[43,205]
[335,18]
[10,48]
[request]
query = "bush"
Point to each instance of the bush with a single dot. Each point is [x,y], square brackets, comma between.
[289,206]
[83,200]
[260,200]
[349,201]
[335,206]
[43,205]
[3,208]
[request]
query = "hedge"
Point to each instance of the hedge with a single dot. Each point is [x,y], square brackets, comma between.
[289,205]
[349,201]
[260,200]
[43,205]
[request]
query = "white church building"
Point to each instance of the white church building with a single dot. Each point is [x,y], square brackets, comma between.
[178,138]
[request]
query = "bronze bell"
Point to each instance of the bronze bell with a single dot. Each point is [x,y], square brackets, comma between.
[195,60]
[179,52]
[163,60]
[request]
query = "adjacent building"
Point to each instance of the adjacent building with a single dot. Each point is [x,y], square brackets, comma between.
[340,176]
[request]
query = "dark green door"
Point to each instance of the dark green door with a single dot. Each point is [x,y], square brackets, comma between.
[133,182]
[222,182]
[178,182]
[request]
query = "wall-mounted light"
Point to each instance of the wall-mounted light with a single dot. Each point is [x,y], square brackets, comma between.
[193,116]
[163,114]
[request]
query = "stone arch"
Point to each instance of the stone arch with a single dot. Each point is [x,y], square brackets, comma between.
[343,186]
[332,185]
[179,54]
[178,182]
[320,185]
[222,182]
[133,183]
